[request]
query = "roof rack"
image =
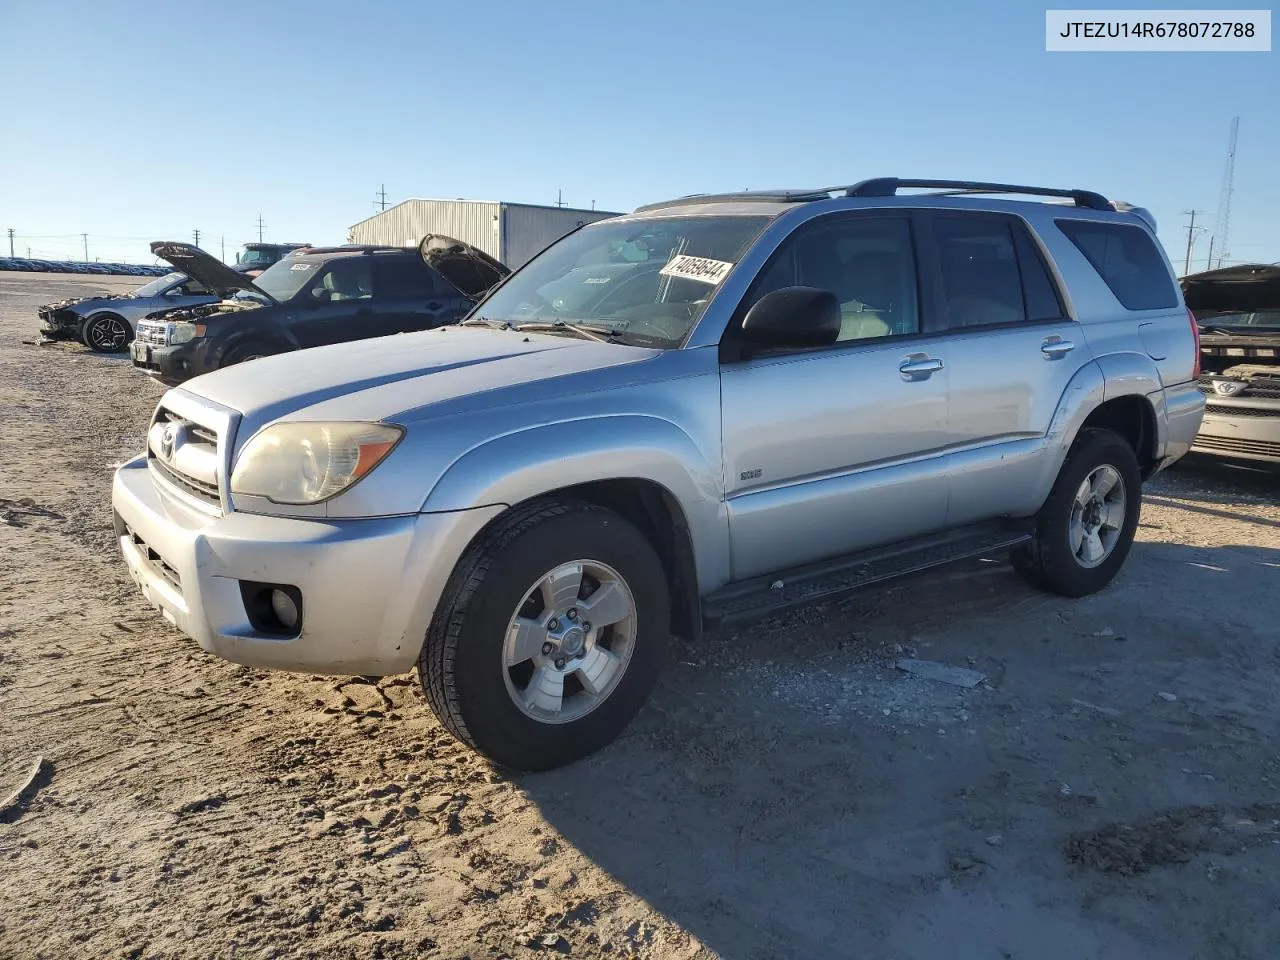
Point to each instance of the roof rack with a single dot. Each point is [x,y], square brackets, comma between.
[365,248]
[885,187]
[889,186]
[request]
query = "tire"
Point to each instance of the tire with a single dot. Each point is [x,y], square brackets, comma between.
[1052,560]
[106,333]
[473,679]
[245,352]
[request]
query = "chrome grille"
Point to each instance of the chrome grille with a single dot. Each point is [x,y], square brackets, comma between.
[185,455]
[152,332]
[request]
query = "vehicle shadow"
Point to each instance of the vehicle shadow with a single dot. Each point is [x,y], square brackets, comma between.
[1218,480]
[770,826]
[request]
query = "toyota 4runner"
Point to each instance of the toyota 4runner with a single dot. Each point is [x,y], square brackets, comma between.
[701,413]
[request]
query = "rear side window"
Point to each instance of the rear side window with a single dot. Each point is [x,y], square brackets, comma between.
[1127,259]
[1038,288]
[405,279]
[980,278]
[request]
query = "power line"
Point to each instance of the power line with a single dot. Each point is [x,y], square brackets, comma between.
[1191,232]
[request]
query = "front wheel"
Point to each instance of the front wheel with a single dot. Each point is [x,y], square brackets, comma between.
[1085,528]
[549,637]
[106,333]
[246,352]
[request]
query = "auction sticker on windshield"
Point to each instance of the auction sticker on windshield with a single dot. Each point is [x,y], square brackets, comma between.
[302,266]
[697,268]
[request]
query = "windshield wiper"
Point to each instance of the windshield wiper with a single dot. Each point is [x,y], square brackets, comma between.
[486,322]
[601,334]
[1244,330]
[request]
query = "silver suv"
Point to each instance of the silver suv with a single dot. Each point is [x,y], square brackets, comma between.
[701,413]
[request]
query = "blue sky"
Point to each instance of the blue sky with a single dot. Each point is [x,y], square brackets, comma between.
[135,121]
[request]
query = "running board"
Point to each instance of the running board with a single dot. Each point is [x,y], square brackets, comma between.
[737,603]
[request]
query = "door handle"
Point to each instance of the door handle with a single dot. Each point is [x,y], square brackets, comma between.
[919,366]
[1054,348]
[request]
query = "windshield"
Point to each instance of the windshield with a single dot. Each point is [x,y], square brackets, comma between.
[158,285]
[652,278]
[285,278]
[1252,318]
[258,256]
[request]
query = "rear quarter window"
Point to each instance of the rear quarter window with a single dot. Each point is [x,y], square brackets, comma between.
[1127,260]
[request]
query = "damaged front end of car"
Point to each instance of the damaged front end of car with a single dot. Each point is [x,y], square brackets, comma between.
[1238,312]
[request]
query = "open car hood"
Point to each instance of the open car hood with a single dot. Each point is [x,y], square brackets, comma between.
[215,275]
[1241,289]
[469,269]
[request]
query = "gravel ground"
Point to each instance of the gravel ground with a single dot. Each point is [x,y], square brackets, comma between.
[1112,790]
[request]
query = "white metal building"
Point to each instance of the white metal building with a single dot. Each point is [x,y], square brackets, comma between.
[512,232]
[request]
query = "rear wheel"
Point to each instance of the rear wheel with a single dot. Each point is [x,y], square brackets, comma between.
[106,333]
[549,637]
[1085,528]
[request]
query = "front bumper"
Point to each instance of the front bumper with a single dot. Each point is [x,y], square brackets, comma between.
[171,364]
[60,324]
[369,587]
[1251,435]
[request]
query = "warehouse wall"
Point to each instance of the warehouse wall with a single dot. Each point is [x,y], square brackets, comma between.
[475,222]
[526,230]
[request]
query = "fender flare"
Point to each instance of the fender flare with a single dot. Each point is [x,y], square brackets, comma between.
[538,460]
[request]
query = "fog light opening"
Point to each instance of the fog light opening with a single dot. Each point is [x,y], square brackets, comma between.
[285,609]
[273,608]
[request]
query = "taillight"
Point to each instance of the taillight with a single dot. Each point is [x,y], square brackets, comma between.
[1196,341]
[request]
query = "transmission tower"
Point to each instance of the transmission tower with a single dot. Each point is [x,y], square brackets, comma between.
[1222,226]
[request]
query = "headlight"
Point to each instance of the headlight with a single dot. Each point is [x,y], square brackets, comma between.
[185,332]
[310,462]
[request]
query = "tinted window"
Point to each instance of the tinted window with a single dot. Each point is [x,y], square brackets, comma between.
[980,280]
[1127,259]
[192,288]
[347,279]
[1039,290]
[403,279]
[869,264]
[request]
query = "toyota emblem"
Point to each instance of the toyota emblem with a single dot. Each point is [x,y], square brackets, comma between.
[166,443]
[1228,388]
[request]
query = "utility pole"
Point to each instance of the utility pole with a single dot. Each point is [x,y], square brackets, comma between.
[593,204]
[86,247]
[381,202]
[1191,231]
[224,248]
[559,198]
[11,253]
[1208,264]
[196,235]
[261,226]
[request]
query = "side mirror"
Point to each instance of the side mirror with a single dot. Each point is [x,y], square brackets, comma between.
[793,317]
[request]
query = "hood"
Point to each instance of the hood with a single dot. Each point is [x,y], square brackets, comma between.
[398,378]
[469,269]
[77,301]
[199,266]
[1245,288]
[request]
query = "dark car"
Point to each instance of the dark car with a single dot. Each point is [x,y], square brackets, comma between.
[321,296]
[1238,310]
[256,257]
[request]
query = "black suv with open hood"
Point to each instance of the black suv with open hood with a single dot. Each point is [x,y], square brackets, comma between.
[1238,312]
[321,296]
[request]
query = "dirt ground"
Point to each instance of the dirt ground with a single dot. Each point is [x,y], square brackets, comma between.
[1112,791]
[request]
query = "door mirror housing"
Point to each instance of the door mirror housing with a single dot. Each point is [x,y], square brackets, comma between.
[793,317]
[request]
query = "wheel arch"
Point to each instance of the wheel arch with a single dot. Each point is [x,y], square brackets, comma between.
[643,468]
